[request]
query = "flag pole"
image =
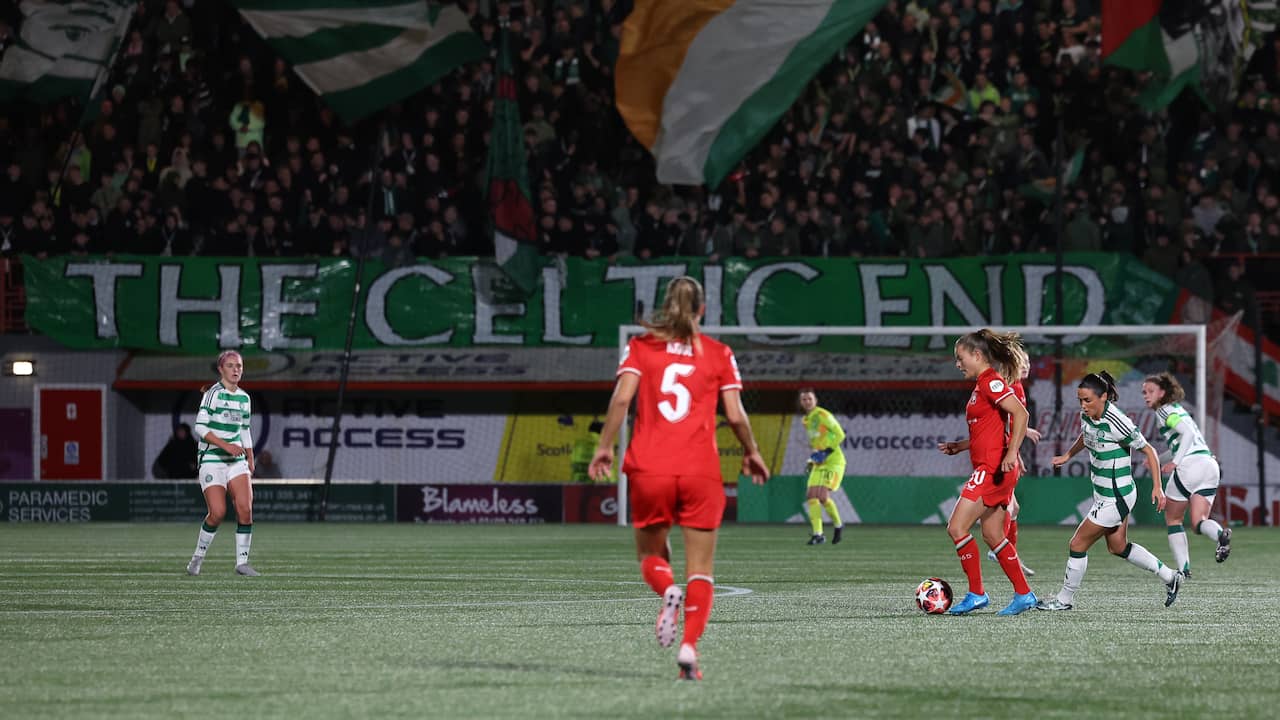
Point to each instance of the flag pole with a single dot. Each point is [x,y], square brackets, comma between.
[362,251]
[103,73]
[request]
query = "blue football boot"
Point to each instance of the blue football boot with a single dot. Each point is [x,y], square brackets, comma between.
[971,602]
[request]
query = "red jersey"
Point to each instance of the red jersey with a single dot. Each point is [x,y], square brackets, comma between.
[675,428]
[987,421]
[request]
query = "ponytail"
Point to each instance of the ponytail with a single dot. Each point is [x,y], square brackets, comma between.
[1002,351]
[681,305]
[1102,385]
[1169,385]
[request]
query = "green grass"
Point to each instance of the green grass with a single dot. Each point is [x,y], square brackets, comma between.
[487,621]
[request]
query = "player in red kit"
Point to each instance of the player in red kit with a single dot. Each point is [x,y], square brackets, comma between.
[994,361]
[676,377]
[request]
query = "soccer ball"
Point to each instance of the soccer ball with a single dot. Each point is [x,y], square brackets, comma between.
[933,596]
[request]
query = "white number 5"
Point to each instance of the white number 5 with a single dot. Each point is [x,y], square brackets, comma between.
[671,386]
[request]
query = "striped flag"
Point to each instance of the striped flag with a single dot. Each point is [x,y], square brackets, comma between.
[1198,45]
[700,82]
[508,184]
[62,48]
[362,55]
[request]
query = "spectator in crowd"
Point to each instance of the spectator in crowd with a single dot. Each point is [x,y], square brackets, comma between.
[177,461]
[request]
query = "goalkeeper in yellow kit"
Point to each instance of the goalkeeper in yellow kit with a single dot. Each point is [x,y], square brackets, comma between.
[826,466]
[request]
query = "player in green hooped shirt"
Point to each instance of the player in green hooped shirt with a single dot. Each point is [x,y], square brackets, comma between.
[825,465]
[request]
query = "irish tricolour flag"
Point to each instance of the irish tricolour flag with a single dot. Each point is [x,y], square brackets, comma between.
[1198,45]
[362,55]
[700,82]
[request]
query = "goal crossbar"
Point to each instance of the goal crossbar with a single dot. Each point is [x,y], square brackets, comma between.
[1199,332]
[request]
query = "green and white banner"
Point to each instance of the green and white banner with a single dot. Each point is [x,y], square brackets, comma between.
[201,305]
[62,47]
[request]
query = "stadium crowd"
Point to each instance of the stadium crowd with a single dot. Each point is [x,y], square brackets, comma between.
[921,138]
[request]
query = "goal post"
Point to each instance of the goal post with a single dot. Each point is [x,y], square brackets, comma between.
[907,359]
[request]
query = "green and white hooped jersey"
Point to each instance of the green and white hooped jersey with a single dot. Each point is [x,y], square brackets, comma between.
[1182,444]
[226,414]
[1111,439]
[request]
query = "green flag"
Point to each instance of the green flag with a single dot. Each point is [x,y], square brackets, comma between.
[62,48]
[362,55]
[508,183]
[1042,189]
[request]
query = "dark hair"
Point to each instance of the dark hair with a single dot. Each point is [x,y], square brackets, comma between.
[1003,351]
[1102,385]
[806,389]
[1169,384]
[678,317]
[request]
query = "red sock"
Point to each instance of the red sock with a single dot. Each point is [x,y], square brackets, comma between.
[1007,554]
[657,572]
[1011,529]
[967,549]
[698,593]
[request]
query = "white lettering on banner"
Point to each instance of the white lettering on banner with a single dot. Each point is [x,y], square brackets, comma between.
[646,278]
[375,307]
[483,278]
[226,305]
[552,286]
[274,306]
[434,498]
[712,287]
[609,506]
[877,308]
[54,505]
[103,277]
[749,294]
[1095,298]
[944,287]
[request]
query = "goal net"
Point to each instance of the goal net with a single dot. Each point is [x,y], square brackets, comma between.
[897,393]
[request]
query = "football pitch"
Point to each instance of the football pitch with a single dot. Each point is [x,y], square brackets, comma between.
[100,620]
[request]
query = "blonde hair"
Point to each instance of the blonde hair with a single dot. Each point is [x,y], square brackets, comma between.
[1003,351]
[222,358]
[1169,385]
[677,319]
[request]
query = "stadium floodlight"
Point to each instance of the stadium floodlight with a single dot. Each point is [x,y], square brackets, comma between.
[22,368]
[917,358]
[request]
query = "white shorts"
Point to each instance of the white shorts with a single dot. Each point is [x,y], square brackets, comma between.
[1197,475]
[216,473]
[1112,512]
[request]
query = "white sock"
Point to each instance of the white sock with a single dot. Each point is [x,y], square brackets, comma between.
[1209,528]
[1074,577]
[203,541]
[1178,544]
[244,536]
[1143,558]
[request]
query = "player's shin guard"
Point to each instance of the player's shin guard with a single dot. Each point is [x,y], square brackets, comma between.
[1077,563]
[244,538]
[967,550]
[832,512]
[1178,544]
[697,606]
[656,571]
[1142,557]
[1007,556]
[204,539]
[1209,528]
[815,515]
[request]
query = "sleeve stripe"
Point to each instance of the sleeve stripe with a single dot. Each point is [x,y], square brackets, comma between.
[1002,397]
[631,370]
[731,386]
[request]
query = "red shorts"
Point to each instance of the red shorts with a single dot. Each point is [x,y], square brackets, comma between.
[692,501]
[990,486]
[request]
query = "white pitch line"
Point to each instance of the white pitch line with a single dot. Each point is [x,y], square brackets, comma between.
[722,591]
